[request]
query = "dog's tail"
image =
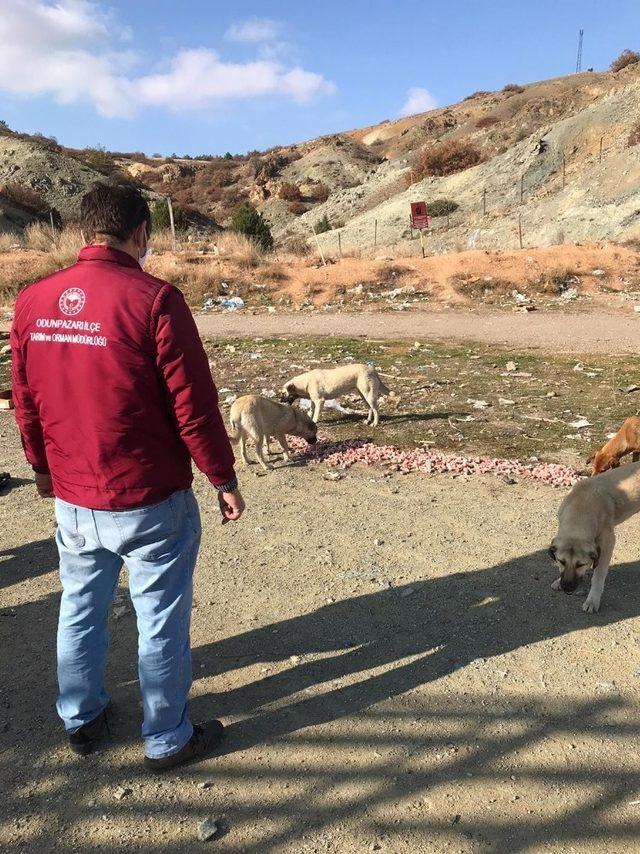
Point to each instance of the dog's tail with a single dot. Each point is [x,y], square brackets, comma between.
[234,433]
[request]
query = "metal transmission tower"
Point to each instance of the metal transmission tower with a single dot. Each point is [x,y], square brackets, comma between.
[579,57]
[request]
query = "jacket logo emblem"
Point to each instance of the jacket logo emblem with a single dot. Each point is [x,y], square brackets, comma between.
[72,301]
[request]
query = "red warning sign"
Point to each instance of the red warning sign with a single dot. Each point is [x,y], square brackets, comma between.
[419,218]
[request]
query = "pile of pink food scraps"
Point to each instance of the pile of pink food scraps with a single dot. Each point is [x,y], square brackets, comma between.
[344,454]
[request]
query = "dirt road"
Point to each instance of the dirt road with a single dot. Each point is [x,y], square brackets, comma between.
[397,684]
[554,331]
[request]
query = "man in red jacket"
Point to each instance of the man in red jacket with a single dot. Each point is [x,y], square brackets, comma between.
[114,398]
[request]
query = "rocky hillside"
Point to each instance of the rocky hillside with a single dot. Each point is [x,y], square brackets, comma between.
[555,161]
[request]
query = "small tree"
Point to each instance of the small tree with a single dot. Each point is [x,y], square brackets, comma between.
[627,57]
[4,125]
[160,218]
[248,221]
[98,158]
[323,225]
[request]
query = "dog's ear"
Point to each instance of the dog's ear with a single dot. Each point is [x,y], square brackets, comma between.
[591,457]
[552,551]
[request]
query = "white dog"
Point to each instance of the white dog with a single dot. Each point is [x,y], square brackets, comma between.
[586,522]
[258,418]
[320,385]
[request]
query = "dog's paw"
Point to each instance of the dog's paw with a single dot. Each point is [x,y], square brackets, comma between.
[556,584]
[591,605]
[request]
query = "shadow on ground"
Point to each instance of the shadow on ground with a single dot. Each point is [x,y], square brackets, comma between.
[376,648]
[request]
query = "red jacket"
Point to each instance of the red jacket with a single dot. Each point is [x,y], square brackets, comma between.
[111,384]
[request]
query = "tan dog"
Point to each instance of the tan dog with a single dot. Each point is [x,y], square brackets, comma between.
[258,418]
[586,522]
[320,385]
[626,441]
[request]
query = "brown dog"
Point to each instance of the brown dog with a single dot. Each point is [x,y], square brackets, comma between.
[626,441]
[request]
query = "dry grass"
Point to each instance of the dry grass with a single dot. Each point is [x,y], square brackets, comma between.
[239,250]
[8,240]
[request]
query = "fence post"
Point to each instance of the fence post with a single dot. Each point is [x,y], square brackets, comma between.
[601,138]
[340,242]
[324,263]
[375,232]
[521,189]
[564,171]
[484,202]
[422,241]
[53,230]
[172,223]
[520,229]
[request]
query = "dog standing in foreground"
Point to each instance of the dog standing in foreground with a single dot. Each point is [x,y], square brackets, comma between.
[626,441]
[258,418]
[320,385]
[586,521]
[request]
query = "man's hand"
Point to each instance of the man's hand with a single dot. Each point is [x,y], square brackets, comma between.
[44,485]
[231,506]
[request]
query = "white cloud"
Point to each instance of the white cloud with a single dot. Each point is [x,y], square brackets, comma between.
[418,101]
[66,50]
[253,30]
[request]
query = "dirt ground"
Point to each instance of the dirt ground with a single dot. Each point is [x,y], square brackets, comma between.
[394,669]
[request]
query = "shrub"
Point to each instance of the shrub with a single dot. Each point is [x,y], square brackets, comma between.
[290,193]
[99,160]
[297,208]
[4,125]
[26,198]
[445,158]
[477,94]
[320,192]
[513,87]
[227,156]
[634,136]
[323,225]
[487,121]
[627,57]
[246,220]
[442,207]
[160,216]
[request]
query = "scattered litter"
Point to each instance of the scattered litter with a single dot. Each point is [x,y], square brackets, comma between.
[510,481]
[629,388]
[206,784]
[569,294]
[598,272]
[232,303]
[466,418]
[268,392]
[529,307]
[633,803]
[551,394]
[304,404]
[208,829]
[378,541]
[294,659]
[580,424]
[521,299]
[224,390]
[6,399]
[511,366]
[335,404]
[504,401]
[454,819]
[209,304]
[333,475]
[121,792]
[636,308]
[478,404]
[578,366]
[230,398]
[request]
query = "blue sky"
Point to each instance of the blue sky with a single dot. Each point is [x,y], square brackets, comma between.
[206,77]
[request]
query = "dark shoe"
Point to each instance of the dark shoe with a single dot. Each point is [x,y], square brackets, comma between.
[85,740]
[206,737]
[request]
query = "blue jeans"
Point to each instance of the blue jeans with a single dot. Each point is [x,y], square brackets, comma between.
[159,544]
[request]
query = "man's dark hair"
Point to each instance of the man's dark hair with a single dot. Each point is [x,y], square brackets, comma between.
[113,208]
